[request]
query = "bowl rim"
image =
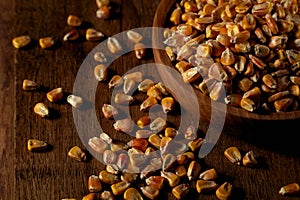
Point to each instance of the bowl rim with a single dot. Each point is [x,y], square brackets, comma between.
[161,57]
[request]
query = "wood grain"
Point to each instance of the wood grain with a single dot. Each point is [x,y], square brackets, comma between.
[52,175]
[7,104]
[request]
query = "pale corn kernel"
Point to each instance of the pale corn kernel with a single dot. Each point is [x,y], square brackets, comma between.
[105,137]
[55,94]
[77,153]
[74,20]
[21,41]
[41,109]
[128,86]
[233,155]
[158,124]
[125,125]
[122,161]
[136,76]
[75,101]
[109,111]
[100,72]
[115,81]
[145,85]
[100,57]
[190,133]
[123,98]
[97,144]
[36,145]
[46,42]
[134,36]
[93,35]
[168,162]
[29,85]
[109,157]
[114,45]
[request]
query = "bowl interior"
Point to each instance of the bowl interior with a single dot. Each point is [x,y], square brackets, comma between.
[232,113]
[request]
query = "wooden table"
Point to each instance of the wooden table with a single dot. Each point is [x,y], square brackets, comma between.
[53,175]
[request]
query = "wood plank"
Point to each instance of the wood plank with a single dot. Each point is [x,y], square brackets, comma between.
[53,175]
[7,96]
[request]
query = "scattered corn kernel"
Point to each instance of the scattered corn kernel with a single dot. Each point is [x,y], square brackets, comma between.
[93,35]
[114,45]
[55,94]
[75,101]
[290,189]
[21,41]
[100,72]
[29,85]
[224,191]
[36,145]
[233,155]
[46,42]
[71,35]
[77,153]
[41,109]
[74,21]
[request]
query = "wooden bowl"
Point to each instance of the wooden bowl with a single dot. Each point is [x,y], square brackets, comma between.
[237,120]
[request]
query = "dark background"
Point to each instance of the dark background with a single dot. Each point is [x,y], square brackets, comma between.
[52,175]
